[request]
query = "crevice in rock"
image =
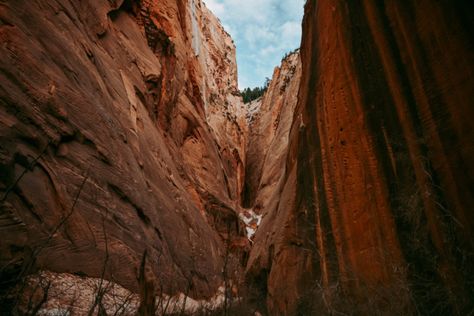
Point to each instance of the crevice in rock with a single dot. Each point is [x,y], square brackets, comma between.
[344,189]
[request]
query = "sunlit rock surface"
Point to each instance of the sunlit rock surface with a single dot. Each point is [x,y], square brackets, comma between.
[121,131]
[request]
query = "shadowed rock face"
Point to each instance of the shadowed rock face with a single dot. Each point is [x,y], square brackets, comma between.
[379,178]
[122,131]
[270,120]
[105,144]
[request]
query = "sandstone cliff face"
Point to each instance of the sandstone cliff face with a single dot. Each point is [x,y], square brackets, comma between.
[122,134]
[270,120]
[375,211]
[105,145]
[217,85]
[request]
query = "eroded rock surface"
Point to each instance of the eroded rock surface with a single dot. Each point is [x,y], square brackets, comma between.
[120,132]
[270,119]
[375,211]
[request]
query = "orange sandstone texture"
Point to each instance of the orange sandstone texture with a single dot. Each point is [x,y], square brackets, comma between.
[117,113]
[375,210]
[121,130]
[270,119]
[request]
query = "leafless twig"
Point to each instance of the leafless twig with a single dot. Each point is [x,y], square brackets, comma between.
[28,168]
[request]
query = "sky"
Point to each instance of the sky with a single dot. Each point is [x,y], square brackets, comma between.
[263,31]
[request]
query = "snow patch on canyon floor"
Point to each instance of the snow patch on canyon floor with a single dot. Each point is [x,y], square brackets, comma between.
[69,294]
[252,222]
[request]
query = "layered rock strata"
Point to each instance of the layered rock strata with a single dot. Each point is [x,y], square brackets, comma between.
[116,139]
[270,119]
[125,158]
[375,210]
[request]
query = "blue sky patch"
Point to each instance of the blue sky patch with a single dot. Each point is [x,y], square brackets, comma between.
[263,31]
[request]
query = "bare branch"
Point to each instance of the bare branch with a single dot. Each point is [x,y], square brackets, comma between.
[28,168]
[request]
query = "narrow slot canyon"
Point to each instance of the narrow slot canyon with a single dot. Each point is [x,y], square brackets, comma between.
[134,180]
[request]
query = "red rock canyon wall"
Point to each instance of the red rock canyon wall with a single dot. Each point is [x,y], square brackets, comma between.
[116,138]
[122,131]
[375,212]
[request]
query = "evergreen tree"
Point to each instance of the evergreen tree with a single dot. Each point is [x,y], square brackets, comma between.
[248,95]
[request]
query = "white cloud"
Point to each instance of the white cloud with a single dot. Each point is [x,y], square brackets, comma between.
[291,30]
[292,8]
[269,50]
[263,31]
[217,8]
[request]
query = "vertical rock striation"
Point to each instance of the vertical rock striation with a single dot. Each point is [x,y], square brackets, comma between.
[374,214]
[126,154]
[270,120]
